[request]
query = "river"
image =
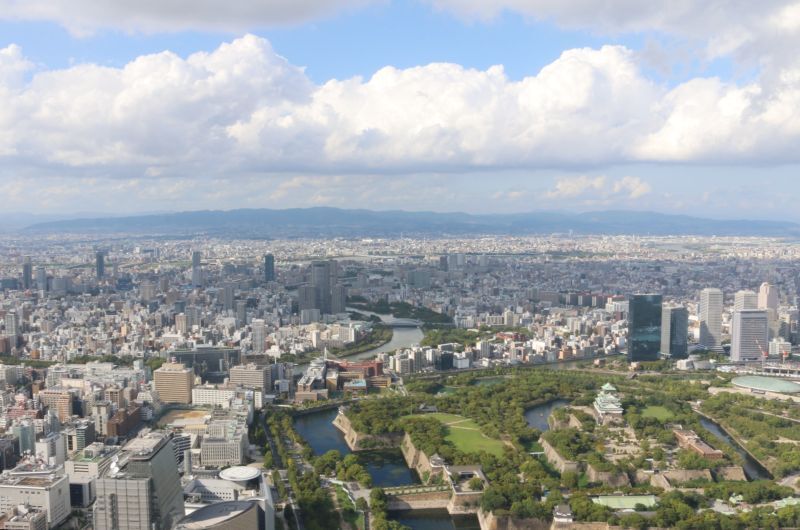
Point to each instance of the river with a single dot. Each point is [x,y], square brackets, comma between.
[401,338]
[752,468]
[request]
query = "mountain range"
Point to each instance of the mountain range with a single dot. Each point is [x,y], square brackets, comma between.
[336,222]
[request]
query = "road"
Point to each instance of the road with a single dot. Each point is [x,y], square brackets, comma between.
[279,465]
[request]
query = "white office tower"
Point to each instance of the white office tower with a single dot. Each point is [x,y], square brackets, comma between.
[38,485]
[141,489]
[745,300]
[259,335]
[768,297]
[711,319]
[750,334]
[779,347]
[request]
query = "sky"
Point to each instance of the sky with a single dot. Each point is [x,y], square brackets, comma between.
[481,106]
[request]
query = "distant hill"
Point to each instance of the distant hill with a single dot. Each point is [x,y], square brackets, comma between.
[330,222]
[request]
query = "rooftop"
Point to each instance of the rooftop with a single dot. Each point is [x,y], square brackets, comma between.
[766,384]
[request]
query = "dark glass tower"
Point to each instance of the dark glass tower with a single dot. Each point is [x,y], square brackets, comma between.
[675,331]
[100,265]
[644,327]
[269,268]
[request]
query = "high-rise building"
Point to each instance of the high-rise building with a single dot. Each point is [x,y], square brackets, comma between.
[27,273]
[644,327]
[100,264]
[750,335]
[251,376]
[227,296]
[768,297]
[321,281]
[745,300]
[141,490]
[241,313]
[181,324]
[41,278]
[674,331]
[197,269]
[259,335]
[12,324]
[711,319]
[307,297]
[338,299]
[173,382]
[269,268]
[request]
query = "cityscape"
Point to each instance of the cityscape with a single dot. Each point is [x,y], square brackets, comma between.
[399,265]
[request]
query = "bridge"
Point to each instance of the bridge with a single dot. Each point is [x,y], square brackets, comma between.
[402,322]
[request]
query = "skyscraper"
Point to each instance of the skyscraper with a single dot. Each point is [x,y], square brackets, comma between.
[644,327]
[745,300]
[41,278]
[197,269]
[227,296]
[674,331]
[27,273]
[749,337]
[767,297]
[711,319]
[100,264]
[338,298]
[141,490]
[321,281]
[259,336]
[269,268]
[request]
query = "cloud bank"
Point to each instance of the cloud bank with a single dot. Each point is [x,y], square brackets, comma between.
[243,110]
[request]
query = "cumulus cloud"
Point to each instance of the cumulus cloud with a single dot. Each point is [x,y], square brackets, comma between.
[85,16]
[244,110]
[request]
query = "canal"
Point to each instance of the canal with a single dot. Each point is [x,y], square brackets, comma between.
[386,466]
[537,416]
[752,468]
[435,520]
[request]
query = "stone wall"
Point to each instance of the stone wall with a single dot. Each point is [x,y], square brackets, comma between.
[421,501]
[556,460]
[357,441]
[610,478]
[489,521]
[417,459]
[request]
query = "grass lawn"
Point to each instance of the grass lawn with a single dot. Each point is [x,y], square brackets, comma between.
[657,412]
[466,435]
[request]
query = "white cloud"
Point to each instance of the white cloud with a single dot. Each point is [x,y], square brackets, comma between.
[85,16]
[242,110]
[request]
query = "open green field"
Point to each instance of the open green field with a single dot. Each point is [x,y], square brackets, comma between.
[466,435]
[658,412]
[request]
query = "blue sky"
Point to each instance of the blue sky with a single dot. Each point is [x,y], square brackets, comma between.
[617,106]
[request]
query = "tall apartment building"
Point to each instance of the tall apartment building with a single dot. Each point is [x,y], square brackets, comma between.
[745,300]
[141,490]
[674,331]
[259,335]
[750,335]
[768,297]
[711,319]
[173,382]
